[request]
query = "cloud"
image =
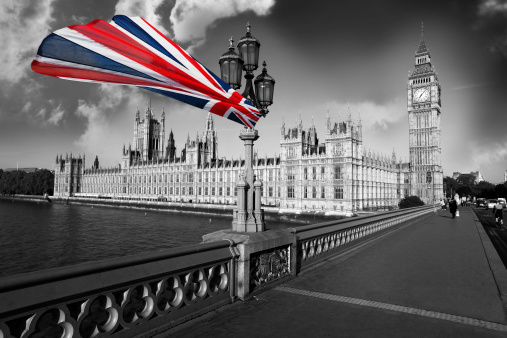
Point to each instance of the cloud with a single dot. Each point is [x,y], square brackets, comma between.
[488,155]
[24,25]
[492,20]
[145,9]
[56,115]
[374,116]
[191,18]
[104,121]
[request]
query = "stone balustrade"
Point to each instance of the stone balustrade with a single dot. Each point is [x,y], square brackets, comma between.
[145,295]
[123,297]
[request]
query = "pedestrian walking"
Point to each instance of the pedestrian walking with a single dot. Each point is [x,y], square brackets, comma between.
[453,207]
[442,204]
[498,210]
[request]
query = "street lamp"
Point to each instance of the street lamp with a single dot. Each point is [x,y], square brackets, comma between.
[248,217]
[260,93]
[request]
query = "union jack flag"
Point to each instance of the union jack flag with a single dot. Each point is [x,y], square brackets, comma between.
[130,51]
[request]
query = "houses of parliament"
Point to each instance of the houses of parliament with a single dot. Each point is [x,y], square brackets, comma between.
[332,173]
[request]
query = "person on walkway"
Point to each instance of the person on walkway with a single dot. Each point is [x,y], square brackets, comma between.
[442,203]
[498,210]
[453,207]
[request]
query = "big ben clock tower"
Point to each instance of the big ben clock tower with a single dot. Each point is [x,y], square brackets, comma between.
[424,110]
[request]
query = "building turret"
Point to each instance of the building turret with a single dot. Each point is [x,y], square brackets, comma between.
[171,148]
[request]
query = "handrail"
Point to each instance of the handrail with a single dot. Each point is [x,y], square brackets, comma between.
[72,271]
[346,221]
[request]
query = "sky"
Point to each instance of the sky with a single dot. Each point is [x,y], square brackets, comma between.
[326,56]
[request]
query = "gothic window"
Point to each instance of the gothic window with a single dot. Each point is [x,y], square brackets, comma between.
[323,192]
[212,191]
[314,192]
[221,177]
[206,178]
[322,173]
[228,191]
[183,190]
[338,193]
[190,190]
[270,175]
[270,191]
[191,178]
[177,177]
[305,173]
[149,179]
[305,192]
[213,177]
[165,190]
[200,178]
[290,192]
[177,191]
[170,190]
[338,174]
[314,173]
[291,173]
[220,191]
[199,191]
[206,191]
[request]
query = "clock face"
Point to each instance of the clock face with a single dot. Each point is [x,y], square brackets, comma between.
[422,94]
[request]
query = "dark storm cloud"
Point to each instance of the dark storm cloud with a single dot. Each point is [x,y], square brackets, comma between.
[492,22]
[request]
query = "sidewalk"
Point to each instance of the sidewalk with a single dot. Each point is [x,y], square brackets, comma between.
[430,279]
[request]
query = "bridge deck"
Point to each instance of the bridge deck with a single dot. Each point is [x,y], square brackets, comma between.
[437,277]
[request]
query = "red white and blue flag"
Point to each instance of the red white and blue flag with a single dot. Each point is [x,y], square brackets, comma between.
[130,51]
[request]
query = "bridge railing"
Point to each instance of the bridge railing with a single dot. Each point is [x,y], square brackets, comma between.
[147,294]
[317,242]
[121,297]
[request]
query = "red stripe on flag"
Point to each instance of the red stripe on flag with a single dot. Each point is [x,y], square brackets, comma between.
[188,57]
[110,37]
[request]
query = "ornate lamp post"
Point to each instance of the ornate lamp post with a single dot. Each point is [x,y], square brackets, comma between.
[248,216]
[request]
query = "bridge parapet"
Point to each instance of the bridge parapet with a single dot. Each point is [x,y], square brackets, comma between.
[122,297]
[144,295]
[318,242]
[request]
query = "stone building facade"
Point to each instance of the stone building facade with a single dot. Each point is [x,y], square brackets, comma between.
[336,176]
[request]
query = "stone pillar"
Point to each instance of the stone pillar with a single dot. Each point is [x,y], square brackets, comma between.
[239,222]
[258,212]
[247,209]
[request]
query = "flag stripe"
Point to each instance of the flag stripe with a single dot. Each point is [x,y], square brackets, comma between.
[130,51]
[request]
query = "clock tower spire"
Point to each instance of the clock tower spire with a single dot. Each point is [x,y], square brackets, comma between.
[424,111]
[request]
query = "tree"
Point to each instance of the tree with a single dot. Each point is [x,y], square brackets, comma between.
[451,185]
[485,190]
[410,201]
[466,179]
[501,191]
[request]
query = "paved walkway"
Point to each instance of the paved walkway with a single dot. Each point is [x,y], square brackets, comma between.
[435,278]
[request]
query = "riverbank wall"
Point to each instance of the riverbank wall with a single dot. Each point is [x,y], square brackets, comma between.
[222,210]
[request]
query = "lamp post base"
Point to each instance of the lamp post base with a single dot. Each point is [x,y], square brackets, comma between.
[248,216]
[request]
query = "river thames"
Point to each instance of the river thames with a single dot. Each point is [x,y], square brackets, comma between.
[41,235]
